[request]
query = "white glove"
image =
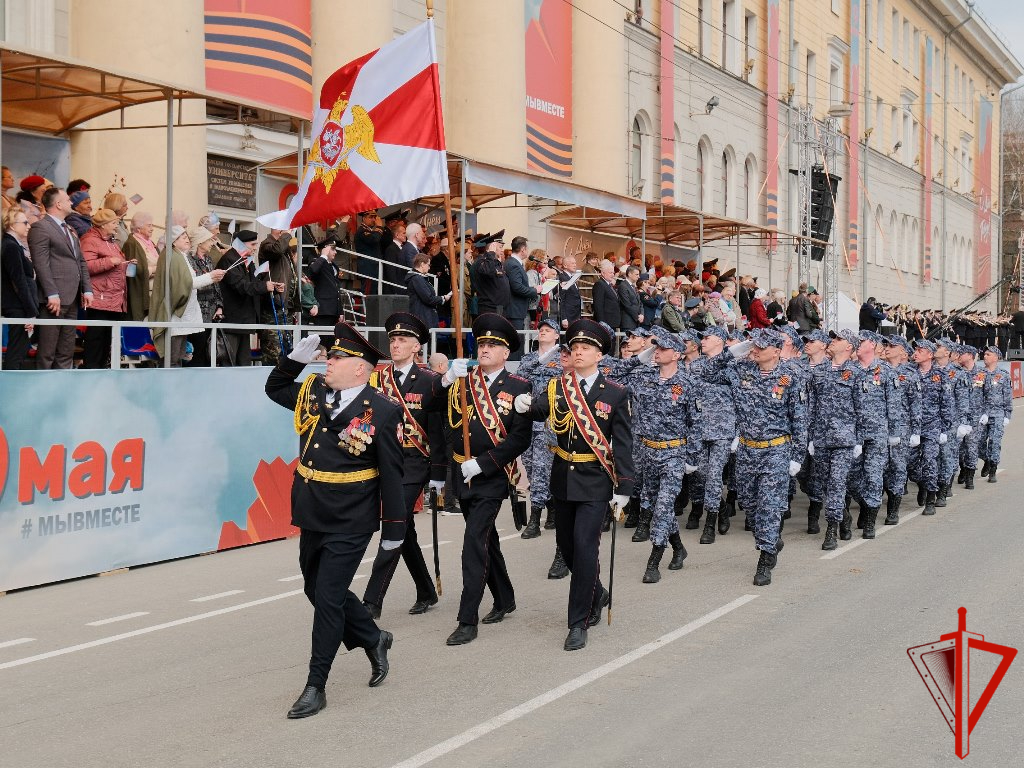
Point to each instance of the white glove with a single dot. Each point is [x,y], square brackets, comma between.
[646,355]
[942,438]
[390,544]
[619,500]
[741,349]
[984,419]
[963,431]
[306,351]
[523,402]
[794,468]
[857,450]
[810,449]
[915,440]
[1006,422]
[546,357]
[689,469]
[457,370]
[437,485]
[894,441]
[470,469]
[735,444]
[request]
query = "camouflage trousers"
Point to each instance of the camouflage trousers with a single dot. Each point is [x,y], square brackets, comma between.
[706,483]
[894,478]
[270,339]
[969,447]
[663,479]
[990,439]
[924,463]
[830,472]
[762,489]
[949,457]
[865,480]
[538,459]
[645,482]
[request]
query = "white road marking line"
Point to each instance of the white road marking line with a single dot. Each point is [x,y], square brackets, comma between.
[145,630]
[114,619]
[292,578]
[508,716]
[19,641]
[219,595]
[879,530]
[510,536]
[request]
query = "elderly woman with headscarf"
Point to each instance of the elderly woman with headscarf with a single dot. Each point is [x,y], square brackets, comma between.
[80,218]
[211,304]
[757,317]
[175,297]
[107,270]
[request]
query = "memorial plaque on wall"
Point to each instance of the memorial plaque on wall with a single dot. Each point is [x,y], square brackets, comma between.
[231,183]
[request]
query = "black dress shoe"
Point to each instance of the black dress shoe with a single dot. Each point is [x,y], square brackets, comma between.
[576,639]
[595,610]
[497,614]
[378,656]
[421,606]
[373,608]
[465,633]
[308,704]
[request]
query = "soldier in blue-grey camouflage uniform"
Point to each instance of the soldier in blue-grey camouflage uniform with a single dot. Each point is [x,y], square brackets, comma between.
[936,420]
[792,355]
[835,404]
[865,481]
[997,413]
[959,383]
[772,436]
[815,345]
[969,447]
[717,413]
[667,423]
[904,423]
[539,368]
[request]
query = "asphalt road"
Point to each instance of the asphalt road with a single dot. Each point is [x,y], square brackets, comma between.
[195,662]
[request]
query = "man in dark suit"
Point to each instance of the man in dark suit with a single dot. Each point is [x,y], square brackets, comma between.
[520,290]
[629,299]
[482,480]
[398,254]
[593,465]
[62,276]
[422,396]
[570,303]
[241,291]
[605,305]
[347,485]
[324,274]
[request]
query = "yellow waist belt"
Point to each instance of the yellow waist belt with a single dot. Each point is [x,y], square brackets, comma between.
[663,443]
[574,457]
[765,443]
[337,477]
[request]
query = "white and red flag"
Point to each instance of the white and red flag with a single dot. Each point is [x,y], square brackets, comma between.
[378,135]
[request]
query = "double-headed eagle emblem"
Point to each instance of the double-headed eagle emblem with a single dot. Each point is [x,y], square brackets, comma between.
[331,150]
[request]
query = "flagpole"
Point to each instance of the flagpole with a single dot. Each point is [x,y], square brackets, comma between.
[456,315]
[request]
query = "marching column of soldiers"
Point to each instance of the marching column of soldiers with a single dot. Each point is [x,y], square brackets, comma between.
[715,421]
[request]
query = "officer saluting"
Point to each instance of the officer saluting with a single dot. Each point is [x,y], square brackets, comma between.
[593,460]
[421,395]
[347,485]
[497,435]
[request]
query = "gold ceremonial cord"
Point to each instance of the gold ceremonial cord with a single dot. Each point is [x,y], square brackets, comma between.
[304,418]
[453,404]
[560,423]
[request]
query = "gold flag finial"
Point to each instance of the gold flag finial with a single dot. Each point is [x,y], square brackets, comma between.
[430,9]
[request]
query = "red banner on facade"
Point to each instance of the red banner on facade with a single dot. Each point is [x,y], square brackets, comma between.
[549,86]
[983,200]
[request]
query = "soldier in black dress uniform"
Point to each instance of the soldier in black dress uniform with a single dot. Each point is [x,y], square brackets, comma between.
[347,485]
[421,394]
[488,275]
[497,435]
[593,465]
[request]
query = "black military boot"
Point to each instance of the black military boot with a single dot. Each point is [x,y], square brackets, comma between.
[652,575]
[723,522]
[708,536]
[549,519]
[846,526]
[870,515]
[992,467]
[962,476]
[632,513]
[730,503]
[765,563]
[984,468]
[678,551]
[922,495]
[892,509]
[532,529]
[693,520]
[558,569]
[949,488]
[940,495]
[969,479]
[683,498]
[861,515]
[643,526]
[831,528]
[929,503]
[813,513]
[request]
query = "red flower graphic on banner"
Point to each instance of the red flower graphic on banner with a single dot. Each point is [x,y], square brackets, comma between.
[270,515]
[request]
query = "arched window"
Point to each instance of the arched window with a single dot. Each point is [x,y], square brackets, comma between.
[878,239]
[935,248]
[915,245]
[728,182]
[751,210]
[636,155]
[969,264]
[904,243]
[643,166]
[892,246]
[724,184]
[703,173]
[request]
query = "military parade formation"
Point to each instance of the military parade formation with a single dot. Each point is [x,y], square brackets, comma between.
[703,425]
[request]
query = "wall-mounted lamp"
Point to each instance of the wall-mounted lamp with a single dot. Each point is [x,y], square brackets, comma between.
[789,93]
[748,67]
[867,134]
[712,103]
